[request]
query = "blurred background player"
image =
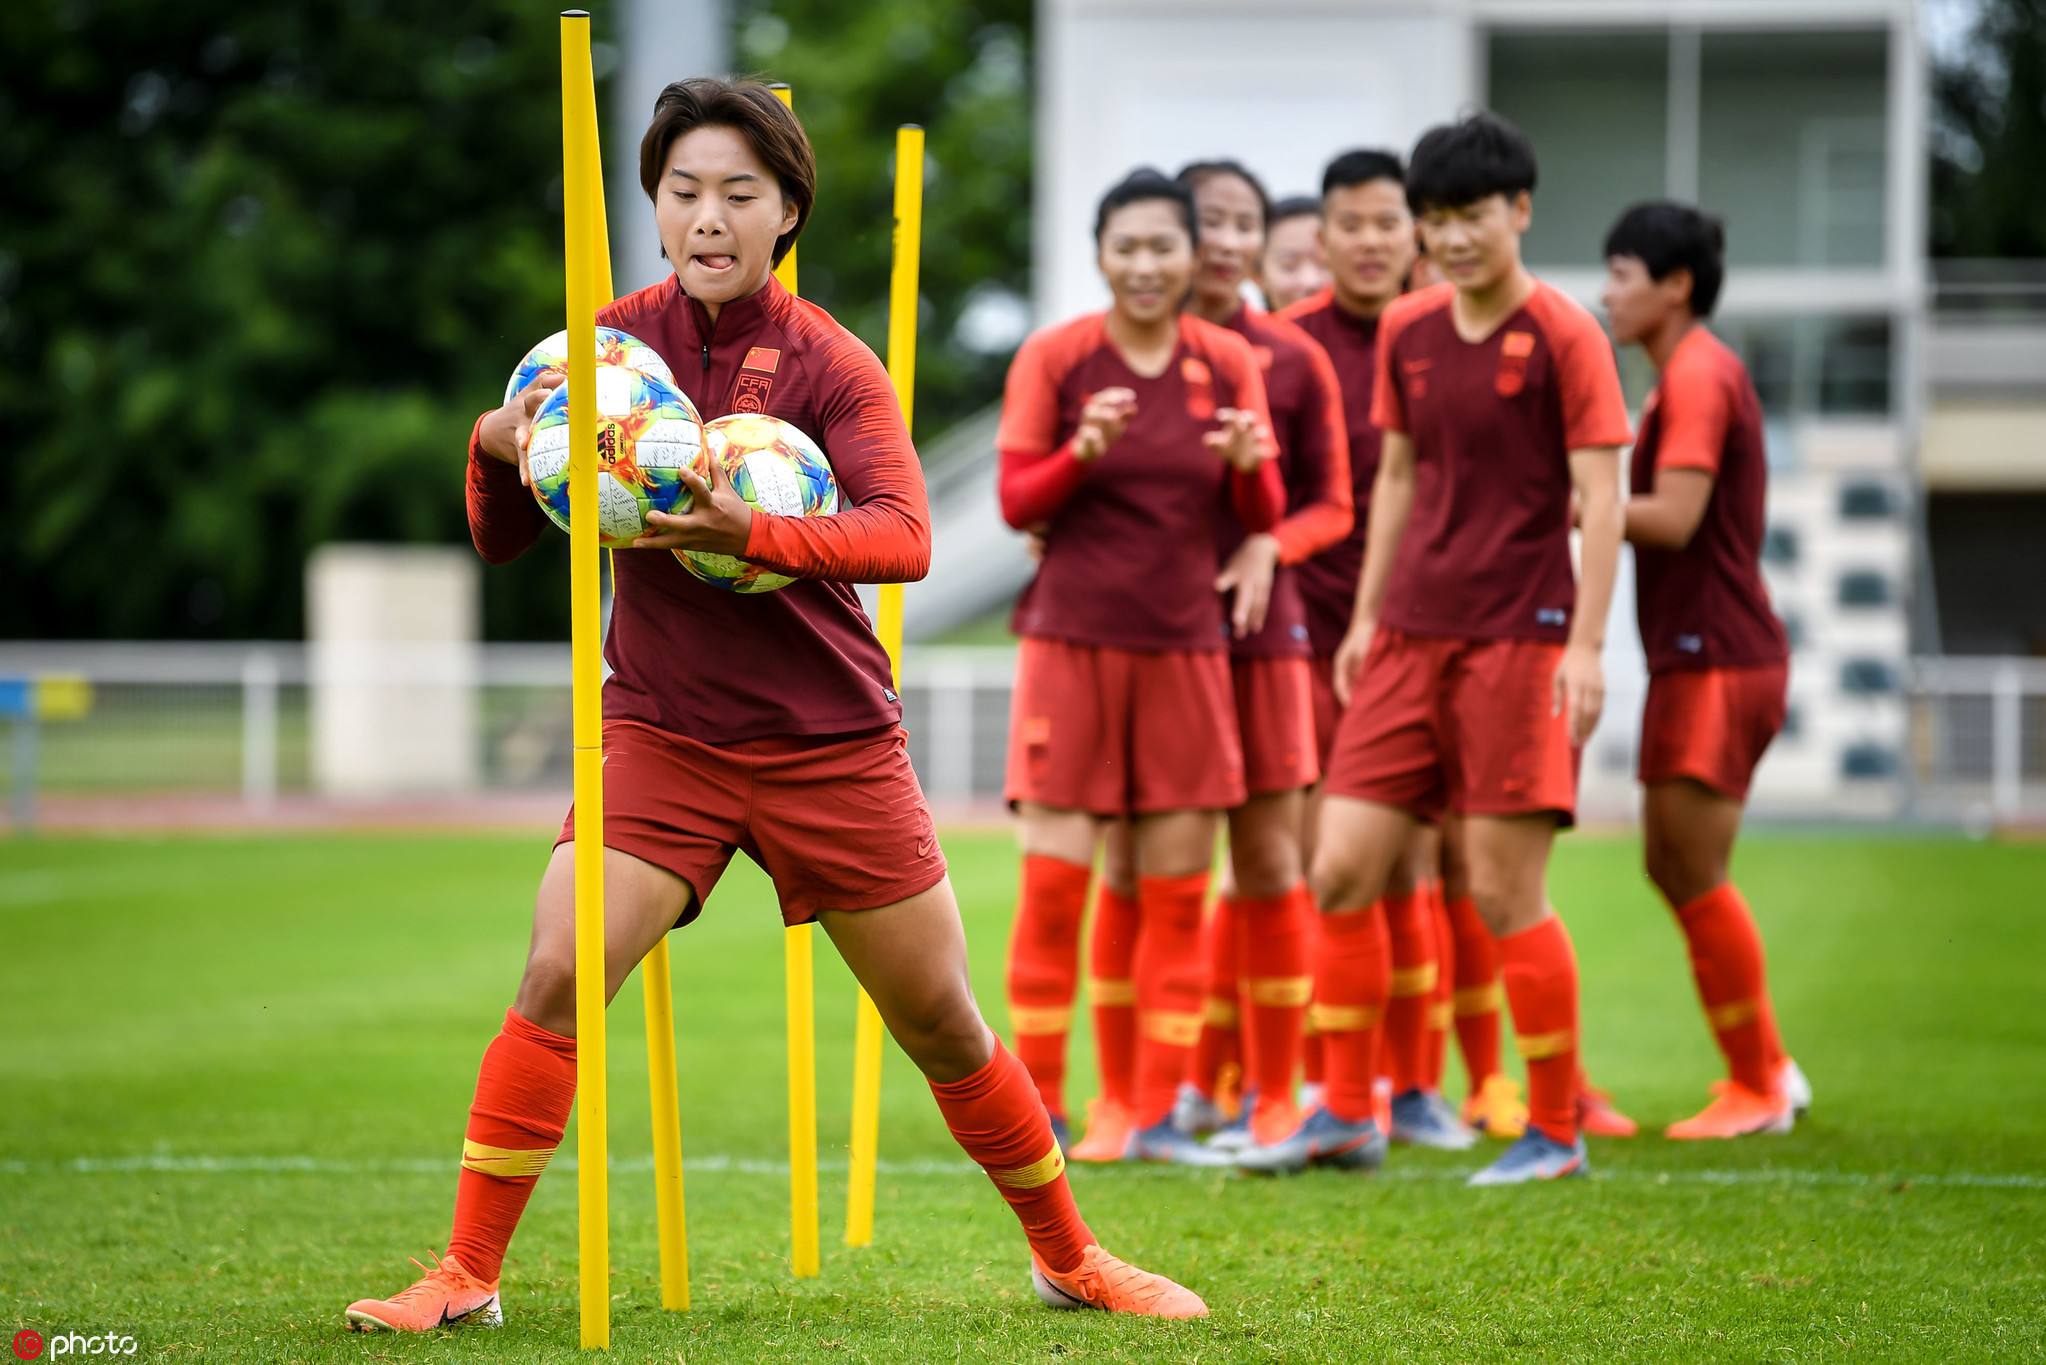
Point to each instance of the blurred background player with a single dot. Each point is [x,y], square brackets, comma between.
[1368,235]
[1471,671]
[1126,437]
[807,767]
[1718,659]
[1292,264]
[1256,943]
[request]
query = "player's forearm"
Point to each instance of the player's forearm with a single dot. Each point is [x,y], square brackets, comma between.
[1603,522]
[1258,495]
[1392,501]
[1312,529]
[1034,487]
[1654,522]
[886,540]
[504,519]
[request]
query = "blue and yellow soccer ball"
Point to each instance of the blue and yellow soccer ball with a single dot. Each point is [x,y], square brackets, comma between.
[613,348]
[778,470]
[648,432]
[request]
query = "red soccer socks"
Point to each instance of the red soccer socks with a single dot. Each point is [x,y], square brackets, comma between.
[1168,978]
[1352,979]
[1044,969]
[1727,961]
[1277,935]
[1540,971]
[1410,924]
[1478,997]
[524,1091]
[997,1117]
[1112,992]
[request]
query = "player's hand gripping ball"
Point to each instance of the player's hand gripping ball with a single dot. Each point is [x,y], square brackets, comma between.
[647,434]
[613,348]
[776,469]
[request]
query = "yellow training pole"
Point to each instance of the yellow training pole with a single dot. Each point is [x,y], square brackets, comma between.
[799,971]
[902,320]
[656,982]
[579,192]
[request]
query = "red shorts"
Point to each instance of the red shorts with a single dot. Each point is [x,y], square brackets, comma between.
[1275,721]
[1712,724]
[1117,732]
[1328,712]
[1470,726]
[839,824]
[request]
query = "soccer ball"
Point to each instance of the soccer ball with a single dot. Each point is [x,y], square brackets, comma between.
[647,434]
[613,348]
[777,469]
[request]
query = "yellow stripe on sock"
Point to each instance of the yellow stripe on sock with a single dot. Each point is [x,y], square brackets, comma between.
[1042,1171]
[1219,1012]
[1440,1015]
[1733,1014]
[1485,999]
[1170,1027]
[504,1161]
[1344,1018]
[1110,991]
[1415,980]
[1292,991]
[1537,1046]
[1040,1019]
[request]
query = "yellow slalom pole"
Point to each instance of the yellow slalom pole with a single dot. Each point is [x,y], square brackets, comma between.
[902,320]
[798,970]
[579,192]
[656,981]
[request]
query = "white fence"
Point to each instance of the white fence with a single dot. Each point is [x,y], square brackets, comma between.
[235,720]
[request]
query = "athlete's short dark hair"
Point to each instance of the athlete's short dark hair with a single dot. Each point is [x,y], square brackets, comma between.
[1141,186]
[1361,166]
[1294,206]
[1665,237]
[1476,157]
[1194,173]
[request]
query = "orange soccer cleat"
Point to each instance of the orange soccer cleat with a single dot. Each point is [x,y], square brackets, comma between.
[1111,1130]
[1599,1117]
[1736,1111]
[448,1296]
[1114,1286]
[1496,1109]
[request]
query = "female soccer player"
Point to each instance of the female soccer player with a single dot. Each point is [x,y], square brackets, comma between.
[1293,263]
[802,764]
[1125,437]
[1471,669]
[1718,660]
[1256,944]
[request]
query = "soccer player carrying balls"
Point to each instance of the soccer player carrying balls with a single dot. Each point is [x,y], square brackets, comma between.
[803,764]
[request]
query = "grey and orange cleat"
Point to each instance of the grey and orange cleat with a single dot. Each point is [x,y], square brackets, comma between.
[1534,1155]
[447,1296]
[1322,1139]
[1103,1282]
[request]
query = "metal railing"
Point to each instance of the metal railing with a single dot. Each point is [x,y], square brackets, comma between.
[235,721]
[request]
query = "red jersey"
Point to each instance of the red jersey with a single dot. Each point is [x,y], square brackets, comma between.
[1130,537]
[719,666]
[1486,554]
[1705,606]
[1328,582]
[1314,465]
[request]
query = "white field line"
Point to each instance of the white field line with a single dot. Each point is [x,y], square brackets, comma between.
[167,1164]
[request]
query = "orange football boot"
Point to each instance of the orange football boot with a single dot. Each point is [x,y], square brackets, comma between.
[1599,1117]
[1496,1109]
[1111,1128]
[448,1296]
[1736,1111]
[1114,1286]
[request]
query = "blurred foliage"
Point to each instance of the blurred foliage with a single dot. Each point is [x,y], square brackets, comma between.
[1989,136]
[260,263]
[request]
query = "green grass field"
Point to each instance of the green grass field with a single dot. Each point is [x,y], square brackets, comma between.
[236,1073]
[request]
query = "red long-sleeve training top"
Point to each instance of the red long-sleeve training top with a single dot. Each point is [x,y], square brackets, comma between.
[722,667]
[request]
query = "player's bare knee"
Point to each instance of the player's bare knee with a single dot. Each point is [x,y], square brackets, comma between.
[1338,882]
[947,1039]
[1266,869]
[547,993]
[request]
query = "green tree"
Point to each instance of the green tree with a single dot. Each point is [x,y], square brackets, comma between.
[1989,136]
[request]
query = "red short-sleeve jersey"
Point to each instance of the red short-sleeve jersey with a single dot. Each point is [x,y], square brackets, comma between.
[1130,538]
[723,667]
[1705,606]
[1328,581]
[1314,465]
[1486,552]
